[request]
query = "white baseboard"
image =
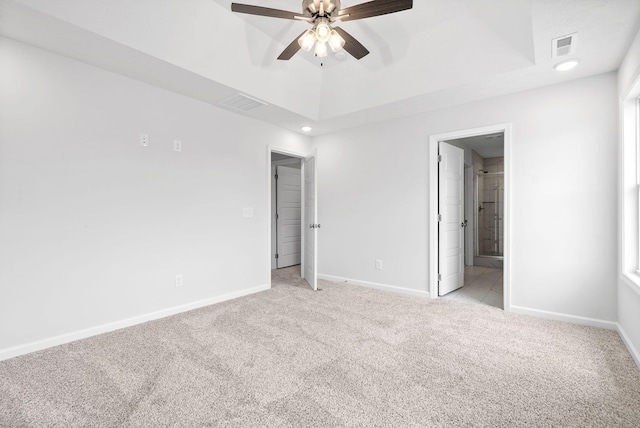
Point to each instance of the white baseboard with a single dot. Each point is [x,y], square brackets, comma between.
[375,285]
[574,319]
[27,348]
[629,344]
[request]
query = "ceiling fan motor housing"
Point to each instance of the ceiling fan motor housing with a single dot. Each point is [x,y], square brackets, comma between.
[310,8]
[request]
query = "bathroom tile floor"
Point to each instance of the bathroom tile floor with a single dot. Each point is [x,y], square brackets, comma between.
[482,285]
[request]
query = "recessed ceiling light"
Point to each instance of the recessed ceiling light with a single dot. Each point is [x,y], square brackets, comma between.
[306,129]
[567,65]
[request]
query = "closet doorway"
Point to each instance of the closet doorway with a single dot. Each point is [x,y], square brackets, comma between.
[286,211]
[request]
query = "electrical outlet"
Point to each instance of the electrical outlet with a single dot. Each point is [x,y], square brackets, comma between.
[379,264]
[144,140]
[179,281]
[177,145]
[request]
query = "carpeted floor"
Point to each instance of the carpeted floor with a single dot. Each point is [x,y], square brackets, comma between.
[343,356]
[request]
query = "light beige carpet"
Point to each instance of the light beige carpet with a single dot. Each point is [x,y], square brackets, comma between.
[343,356]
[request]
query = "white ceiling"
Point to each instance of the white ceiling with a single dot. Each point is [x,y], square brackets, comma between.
[487,146]
[440,53]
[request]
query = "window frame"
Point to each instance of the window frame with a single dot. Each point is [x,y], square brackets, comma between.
[629,189]
[637,171]
[629,228]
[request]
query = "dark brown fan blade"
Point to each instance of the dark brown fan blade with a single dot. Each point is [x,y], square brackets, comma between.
[263,11]
[374,8]
[291,50]
[351,45]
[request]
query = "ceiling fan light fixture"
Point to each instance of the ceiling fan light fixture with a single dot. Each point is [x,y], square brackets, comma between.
[321,49]
[336,41]
[307,40]
[321,14]
[323,31]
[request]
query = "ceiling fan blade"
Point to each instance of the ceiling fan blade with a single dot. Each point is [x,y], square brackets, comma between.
[351,45]
[374,8]
[264,11]
[291,50]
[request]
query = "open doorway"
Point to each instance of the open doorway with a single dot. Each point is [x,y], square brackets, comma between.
[286,211]
[293,227]
[478,272]
[484,220]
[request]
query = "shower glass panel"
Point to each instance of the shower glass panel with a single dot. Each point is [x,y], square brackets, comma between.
[489,214]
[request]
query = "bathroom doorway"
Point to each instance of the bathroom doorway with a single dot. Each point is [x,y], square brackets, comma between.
[486,215]
[488,203]
[483,273]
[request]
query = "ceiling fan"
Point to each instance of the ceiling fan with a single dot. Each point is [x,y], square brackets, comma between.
[321,14]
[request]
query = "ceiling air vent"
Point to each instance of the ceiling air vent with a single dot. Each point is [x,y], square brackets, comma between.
[563,46]
[242,102]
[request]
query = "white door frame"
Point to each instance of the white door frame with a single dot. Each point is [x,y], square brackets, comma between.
[302,157]
[433,203]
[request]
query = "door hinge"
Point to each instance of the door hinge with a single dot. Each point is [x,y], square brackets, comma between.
[439,277]
[439,158]
[439,217]
[276,176]
[277,216]
[277,256]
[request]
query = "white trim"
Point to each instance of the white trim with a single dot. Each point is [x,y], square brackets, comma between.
[292,153]
[573,319]
[506,128]
[128,322]
[377,286]
[629,344]
[300,155]
[628,206]
[632,281]
[433,217]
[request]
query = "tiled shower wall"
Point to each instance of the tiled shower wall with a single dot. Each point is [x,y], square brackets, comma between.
[490,216]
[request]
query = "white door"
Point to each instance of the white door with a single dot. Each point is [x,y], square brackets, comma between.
[451,218]
[289,209]
[310,225]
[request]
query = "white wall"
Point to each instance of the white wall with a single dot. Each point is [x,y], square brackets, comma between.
[373,201]
[94,227]
[628,292]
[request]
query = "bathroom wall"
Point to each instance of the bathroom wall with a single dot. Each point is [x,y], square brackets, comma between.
[493,202]
[491,195]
